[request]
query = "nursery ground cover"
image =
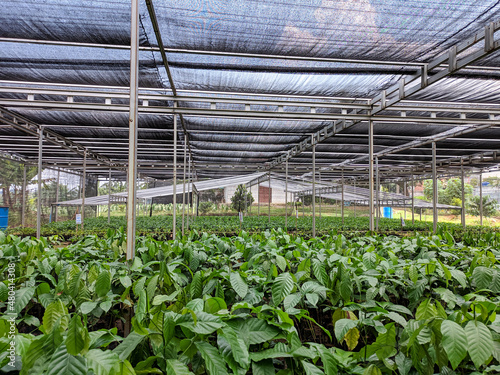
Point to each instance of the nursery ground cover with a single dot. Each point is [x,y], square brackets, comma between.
[268,303]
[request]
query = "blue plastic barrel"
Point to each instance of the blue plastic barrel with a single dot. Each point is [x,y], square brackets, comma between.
[4,217]
[387,212]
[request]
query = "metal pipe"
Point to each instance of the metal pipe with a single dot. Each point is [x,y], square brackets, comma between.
[184,186]
[377,196]
[462,214]
[269,200]
[133,125]
[23,207]
[84,185]
[174,180]
[286,195]
[258,198]
[481,198]
[39,192]
[190,192]
[412,200]
[314,192]
[57,193]
[109,196]
[342,200]
[320,198]
[370,173]
[434,189]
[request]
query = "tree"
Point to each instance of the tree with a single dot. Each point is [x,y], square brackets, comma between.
[429,191]
[490,206]
[205,207]
[241,199]
[453,191]
[11,180]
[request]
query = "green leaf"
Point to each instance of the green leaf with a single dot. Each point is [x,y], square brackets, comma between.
[214,305]
[103,283]
[239,285]
[168,327]
[196,286]
[292,300]
[63,363]
[205,323]
[342,326]
[87,307]
[404,364]
[426,310]
[312,298]
[23,296]
[397,318]
[125,281]
[460,277]
[310,369]
[176,367]
[264,367]
[214,362]
[319,271]
[128,345]
[454,342]
[480,342]
[259,331]
[74,339]
[413,273]
[372,370]
[369,260]
[158,300]
[238,346]
[281,262]
[103,362]
[282,286]
[482,277]
[125,369]
[330,364]
[56,312]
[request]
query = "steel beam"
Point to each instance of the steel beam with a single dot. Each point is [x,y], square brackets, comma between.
[481,198]
[39,190]
[434,189]
[23,206]
[462,180]
[314,192]
[370,171]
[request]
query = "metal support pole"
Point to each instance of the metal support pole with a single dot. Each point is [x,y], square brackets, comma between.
[286,195]
[174,181]
[320,199]
[133,119]
[354,202]
[412,200]
[481,198]
[258,199]
[462,216]
[269,200]
[57,193]
[23,207]
[314,191]
[190,191]
[109,196]
[434,189]
[39,192]
[404,202]
[377,196]
[370,173]
[184,185]
[342,203]
[84,184]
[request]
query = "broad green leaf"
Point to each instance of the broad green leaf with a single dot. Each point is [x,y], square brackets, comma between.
[158,300]
[63,363]
[342,326]
[292,300]
[23,296]
[214,362]
[281,262]
[103,362]
[482,277]
[397,318]
[460,277]
[280,350]
[260,331]
[319,271]
[168,327]
[176,367]
[126,369]
[87,307]
[480,342]
[310,369]
[369,260]
[454,342]
[346,289]
[151,288]
[56,312]
[214,305]
[312,298]
[404,364]
[372,370]
[75,341]
[351,338]
[238,346]
[330,364]
[239,285]
[103,283]
[128,345]
[282,286]
[196,286]
[426,310]
[264,367]
[413,273]
[125,281]
[205,323]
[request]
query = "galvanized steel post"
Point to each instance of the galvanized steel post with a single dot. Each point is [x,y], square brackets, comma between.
[174,181]
[286,195]
[314,191]
[434,189]
[133,119]
[462,216]
[84,184]
[481,198]
[57,193]
[269,200]
[184,185]
[23,207]
[342,197]
[370,173]
[412,200]
[109,196]
[39,192]
[377,196]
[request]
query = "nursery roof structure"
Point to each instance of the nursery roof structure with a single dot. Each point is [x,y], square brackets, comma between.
[251,85]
